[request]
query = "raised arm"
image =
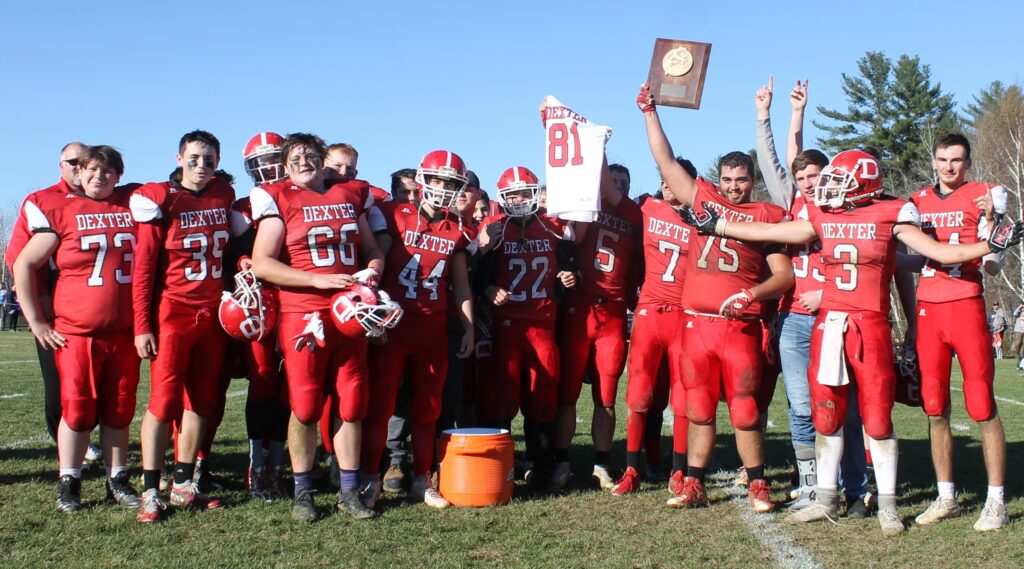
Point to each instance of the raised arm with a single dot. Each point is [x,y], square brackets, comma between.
[798,99]
[779,187]
[683,186]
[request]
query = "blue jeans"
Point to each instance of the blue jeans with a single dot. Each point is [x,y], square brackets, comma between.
[795,355]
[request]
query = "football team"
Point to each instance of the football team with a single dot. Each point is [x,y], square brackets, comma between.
[362,318]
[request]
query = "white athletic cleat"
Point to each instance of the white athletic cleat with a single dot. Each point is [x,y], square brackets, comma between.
[821,509]
[604,478]
[993,516]
[889,520]
[93,453]
[423,489]
[939,510]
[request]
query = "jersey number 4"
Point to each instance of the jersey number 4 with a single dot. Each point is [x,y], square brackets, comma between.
[409,277]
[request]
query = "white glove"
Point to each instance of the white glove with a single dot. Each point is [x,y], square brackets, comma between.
[312,335]
[369,277]
[734,306]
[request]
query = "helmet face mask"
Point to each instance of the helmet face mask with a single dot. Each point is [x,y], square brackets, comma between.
[852,178]
[250,312]
[441,179]
[361,312]
[263,160]
[518,192]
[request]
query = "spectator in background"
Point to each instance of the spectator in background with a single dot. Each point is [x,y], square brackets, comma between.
[12,311]
[997,322]
[1018,336]
[4,293]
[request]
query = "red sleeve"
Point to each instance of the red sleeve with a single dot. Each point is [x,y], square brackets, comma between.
[150,239]
[19,238]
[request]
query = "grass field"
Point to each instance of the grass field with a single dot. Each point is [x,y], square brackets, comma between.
[583,528]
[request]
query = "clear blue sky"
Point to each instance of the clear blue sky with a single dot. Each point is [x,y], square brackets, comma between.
[399,79]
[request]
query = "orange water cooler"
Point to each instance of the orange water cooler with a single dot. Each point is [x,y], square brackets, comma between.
[477,466]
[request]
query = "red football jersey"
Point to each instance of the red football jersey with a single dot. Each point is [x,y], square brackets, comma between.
[241,216]
[526,264]
[94,258]
[666,245]
[416,268]
[859,251]
[608,257]
[954,219]
[808,267]
[181,249]
[321,233]
[719,267]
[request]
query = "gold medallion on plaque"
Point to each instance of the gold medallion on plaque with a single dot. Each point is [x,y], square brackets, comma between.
[677,62]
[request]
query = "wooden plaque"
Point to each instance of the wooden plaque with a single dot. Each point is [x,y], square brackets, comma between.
[678,69]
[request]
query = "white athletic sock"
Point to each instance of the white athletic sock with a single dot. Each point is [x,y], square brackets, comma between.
[829,453]
[115,470]
[995,493]
[75,472]
[885,457]
[946,490]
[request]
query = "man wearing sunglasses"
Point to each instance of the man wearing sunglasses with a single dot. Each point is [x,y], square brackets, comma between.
[68,183]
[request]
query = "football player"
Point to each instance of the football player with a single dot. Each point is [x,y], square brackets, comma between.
[177,283]
[592,326]
[951,318]
[424,246]
[91,235]
[311,240]
[798,308]
[858,228]
[722,296]
[524,257]
[266,405]
[655,341]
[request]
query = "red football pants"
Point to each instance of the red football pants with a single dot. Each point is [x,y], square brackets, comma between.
[524,368]
[720,353]
[416,349]
[591,336]
[99,376]
[868,352]
[957,326]
[186,370]
[339,368]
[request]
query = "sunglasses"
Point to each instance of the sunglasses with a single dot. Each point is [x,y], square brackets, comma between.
[71,162]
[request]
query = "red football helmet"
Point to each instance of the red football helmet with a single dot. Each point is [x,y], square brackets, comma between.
[250,312]
[853,177]
[263,160]
[519,191]
[447,166]
[361,312]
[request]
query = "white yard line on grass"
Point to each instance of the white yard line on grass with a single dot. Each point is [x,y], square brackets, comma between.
[1003,399]
[42,438]
[18,361]
[13,395]
[786,552]
[960,427]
